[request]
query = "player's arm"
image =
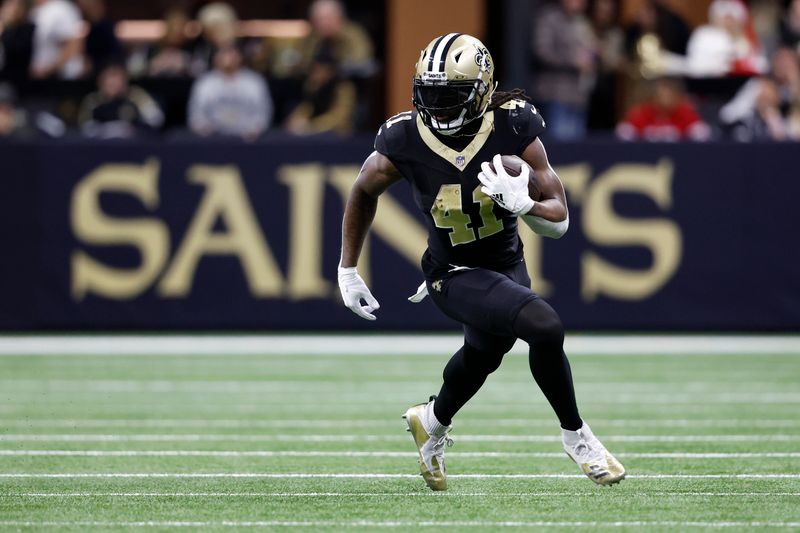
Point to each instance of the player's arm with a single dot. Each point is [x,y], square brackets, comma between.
[552,205]
[549,216]
[377,174]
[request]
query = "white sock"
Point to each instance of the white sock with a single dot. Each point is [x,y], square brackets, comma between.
[432,424]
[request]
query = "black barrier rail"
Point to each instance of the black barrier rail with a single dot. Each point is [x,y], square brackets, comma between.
[195,235]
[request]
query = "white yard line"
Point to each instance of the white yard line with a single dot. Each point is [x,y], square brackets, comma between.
[381,422]
[396,524]
[377,345]
[372,384]
[234,437]
[452,494]
[365,475]
[310,399]
[383,454]
[369,405]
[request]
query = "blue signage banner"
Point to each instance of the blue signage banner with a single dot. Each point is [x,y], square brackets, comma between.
[200,235]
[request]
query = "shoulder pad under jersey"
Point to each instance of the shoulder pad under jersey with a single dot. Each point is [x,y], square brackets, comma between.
[524,119]
[391,138]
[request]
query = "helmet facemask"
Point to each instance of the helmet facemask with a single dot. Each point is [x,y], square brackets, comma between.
[448,106]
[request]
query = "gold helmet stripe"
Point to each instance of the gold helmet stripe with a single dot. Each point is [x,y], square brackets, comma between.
[439,52]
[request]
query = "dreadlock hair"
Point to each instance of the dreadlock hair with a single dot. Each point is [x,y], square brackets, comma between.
[501,97]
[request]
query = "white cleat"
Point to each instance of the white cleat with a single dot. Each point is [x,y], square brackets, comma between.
[592,457]
[431,437]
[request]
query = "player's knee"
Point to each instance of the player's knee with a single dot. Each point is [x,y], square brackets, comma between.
[482,361]
[540,326]
[550,332]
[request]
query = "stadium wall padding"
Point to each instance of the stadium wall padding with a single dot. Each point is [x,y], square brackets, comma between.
[208,235]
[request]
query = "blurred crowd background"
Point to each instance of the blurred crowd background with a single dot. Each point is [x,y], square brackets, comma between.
[658,70]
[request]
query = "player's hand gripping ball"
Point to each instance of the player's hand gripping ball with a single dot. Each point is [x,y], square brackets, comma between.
[513,165]
[509,181]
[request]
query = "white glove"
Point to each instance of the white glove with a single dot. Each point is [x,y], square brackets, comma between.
[354,290]
[509,192]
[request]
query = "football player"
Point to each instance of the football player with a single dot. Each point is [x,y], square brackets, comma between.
[474,268]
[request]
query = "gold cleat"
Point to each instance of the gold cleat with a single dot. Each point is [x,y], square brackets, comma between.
[430,446]
[594,460]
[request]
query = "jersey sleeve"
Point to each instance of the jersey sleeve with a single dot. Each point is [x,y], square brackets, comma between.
[391,138]
[526,123]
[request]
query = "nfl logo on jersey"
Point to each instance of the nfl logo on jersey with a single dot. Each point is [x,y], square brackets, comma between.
[460,160]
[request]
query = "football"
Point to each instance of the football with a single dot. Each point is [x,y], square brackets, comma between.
[513,165]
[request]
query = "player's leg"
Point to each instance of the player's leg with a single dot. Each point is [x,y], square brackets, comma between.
[485,302]
[540,326]
[468,369]
[464,374]
[503,304]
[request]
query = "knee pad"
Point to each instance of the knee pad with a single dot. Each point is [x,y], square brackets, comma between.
[484,362]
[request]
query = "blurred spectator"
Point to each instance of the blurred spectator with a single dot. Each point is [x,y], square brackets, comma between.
[12,122]
[765,120]
[287,60]
[655,17]
[118,110]
[58,40]
[564,53]
[767,108]
[786,74]
[16,42]
[230,100]
[727,45]
[220,29]
[19,123]
[171,56]
[102,45]
[609,43]
[655,45]
[349,43]
[328,101]
[667,116]
[790,27]
[766,16]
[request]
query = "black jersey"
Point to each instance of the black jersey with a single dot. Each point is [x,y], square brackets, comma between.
[465,227]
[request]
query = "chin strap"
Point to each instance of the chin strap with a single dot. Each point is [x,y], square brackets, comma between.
[451,131]
[458,131]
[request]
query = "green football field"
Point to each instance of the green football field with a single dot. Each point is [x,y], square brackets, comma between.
[310,442]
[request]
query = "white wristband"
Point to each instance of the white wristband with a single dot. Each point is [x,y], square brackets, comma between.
[546,228]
